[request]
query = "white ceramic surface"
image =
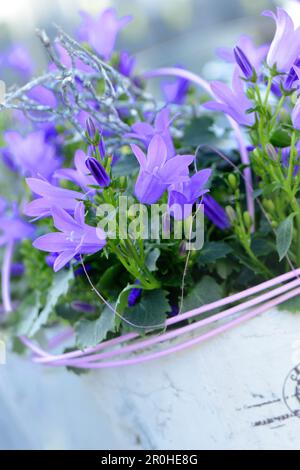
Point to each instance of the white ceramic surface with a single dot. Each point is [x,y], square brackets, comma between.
[223,394]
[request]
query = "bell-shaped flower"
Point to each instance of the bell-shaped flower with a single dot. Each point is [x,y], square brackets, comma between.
[74,238]
[285,47]
[144,131]
[98,171]
[13,228]
[101,32]
[232,102]
[80,175]
[31,155]
[156,172]
[182,196]
[50,196]
[215,213]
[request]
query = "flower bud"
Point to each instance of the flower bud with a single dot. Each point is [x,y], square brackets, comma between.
[247,220]
[102,148]
[243,62]
[232,180]
[98,172]
[91,129]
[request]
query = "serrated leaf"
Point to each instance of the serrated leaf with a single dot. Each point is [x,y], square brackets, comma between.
[213,251]
[149,313]
[284,236]
[90,333]
[205,291]
[59,287]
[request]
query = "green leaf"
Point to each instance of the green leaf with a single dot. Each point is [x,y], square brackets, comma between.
[59,287]
[126,166]
[262,247]
[149,313]
[108,277]
[90,333]
[280,138]
[204,292]
[28,310]
[284,236]
[152,258]
[213,251]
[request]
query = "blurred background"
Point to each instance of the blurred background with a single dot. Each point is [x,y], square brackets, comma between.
[167,32]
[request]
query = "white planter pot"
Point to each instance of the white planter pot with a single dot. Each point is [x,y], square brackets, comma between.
[223,394]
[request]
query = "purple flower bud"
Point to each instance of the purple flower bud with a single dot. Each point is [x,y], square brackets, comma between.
[98,172]
[134,295]
[243,62]
[90,127]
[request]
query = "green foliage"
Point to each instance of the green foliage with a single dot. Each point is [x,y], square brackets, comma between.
[284,236]
[212,251]
[149,313]
[90,333]
[207,290]
[33,317]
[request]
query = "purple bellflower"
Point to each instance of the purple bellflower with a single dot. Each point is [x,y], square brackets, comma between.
[19,59]
[98,172]
[12,230]
[101,32]
[255,55]
[144,131]
[126,64]
[74,238]
[80,175]
[285,47]
[134,295]
[243,63]
[31,155]
[296,115]
[293,77]
[215,213]
[156,172]
[232,102]
[296,110]
[50,196]
[183,195]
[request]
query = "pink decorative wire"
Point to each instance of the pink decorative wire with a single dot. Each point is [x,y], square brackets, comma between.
[184,345]
[84,359]
[5,276]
